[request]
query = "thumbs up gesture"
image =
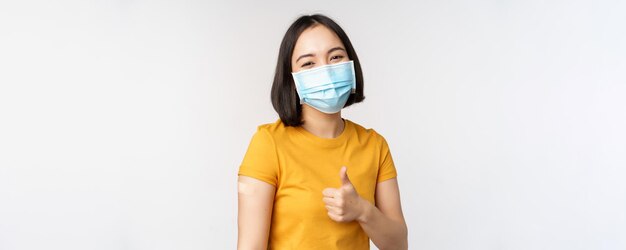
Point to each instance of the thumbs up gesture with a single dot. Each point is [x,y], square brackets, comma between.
[343,204]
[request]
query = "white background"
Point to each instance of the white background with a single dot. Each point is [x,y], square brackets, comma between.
[123,123]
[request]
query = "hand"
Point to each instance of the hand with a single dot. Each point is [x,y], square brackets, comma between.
[343,204]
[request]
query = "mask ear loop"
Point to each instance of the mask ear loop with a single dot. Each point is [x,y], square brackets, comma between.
[353,90]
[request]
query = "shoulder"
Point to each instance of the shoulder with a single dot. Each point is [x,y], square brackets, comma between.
[271,131]
[367,134]
[273,128]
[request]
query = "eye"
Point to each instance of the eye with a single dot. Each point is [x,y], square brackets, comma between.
[338,57]
[307,64]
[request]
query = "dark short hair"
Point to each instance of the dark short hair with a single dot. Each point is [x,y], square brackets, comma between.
[284,96]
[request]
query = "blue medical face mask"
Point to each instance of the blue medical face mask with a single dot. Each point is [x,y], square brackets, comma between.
[326,88]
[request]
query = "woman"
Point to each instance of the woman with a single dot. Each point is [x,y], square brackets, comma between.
[312,179]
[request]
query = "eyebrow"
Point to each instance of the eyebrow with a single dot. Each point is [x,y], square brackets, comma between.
[329,51]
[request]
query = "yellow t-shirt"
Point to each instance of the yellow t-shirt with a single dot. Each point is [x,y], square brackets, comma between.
[300,165]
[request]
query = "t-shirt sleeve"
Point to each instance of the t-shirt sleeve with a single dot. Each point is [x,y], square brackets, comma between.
[387,168]
[261,160]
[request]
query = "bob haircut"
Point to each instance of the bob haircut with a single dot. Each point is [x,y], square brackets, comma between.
[284,96]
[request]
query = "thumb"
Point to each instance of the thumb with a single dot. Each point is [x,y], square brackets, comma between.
[343,174]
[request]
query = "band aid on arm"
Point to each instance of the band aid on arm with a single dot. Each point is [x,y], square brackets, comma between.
[245,188]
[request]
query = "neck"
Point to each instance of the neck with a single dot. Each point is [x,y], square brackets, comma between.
[322,124]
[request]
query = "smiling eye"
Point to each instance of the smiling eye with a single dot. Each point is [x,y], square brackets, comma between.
[307,64]
[336,57]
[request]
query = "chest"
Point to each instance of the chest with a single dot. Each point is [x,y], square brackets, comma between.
[305,170]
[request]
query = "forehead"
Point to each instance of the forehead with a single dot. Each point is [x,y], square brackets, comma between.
[316,39]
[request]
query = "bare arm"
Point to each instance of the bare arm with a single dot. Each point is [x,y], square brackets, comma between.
[256,199]
[384,223]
